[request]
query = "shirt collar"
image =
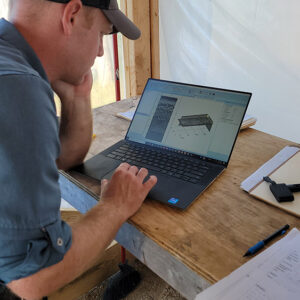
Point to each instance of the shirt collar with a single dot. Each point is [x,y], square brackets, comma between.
[10,34]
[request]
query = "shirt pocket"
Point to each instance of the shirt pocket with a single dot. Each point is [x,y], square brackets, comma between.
[47,250]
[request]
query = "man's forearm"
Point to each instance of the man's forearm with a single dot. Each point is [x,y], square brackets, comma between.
[75,132]
[76,120]
[121,197]
[90,237]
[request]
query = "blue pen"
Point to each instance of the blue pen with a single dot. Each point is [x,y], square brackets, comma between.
[262,243]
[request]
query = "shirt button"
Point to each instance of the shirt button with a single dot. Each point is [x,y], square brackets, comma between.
[60,242]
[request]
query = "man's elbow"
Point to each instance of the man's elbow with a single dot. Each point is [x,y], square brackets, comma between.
[66,165]
[26,289]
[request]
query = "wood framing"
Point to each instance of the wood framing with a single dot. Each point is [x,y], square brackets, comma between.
[154,30]
[141,57]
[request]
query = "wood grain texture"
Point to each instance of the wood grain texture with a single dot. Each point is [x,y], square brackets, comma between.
[141,57]
[167,266]
[138,53]
[211,236]
[154,32]
[123,7]
[70,215]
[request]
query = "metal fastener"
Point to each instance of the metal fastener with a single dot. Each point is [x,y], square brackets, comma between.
[60,242]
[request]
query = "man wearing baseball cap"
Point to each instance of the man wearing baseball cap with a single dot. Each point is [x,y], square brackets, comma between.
[51,46]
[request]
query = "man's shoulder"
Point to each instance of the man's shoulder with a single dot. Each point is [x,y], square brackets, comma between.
[13,61]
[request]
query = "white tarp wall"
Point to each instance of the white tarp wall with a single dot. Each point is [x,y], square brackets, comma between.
[251,45]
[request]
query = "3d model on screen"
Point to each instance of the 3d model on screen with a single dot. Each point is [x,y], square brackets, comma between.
[196,120]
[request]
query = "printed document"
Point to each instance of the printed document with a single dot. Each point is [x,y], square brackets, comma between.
[272,275]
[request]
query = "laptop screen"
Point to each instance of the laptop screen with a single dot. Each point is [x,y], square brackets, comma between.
[191,119]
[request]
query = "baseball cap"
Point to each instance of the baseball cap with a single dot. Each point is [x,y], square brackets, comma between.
[111,10]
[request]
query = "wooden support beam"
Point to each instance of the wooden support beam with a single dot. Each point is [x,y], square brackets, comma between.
[154,29]
[141,57]
[139,51]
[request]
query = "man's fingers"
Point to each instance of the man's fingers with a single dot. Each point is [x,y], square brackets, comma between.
[142,173]
[104,183]
[150,183]
[134,170]
[124,166]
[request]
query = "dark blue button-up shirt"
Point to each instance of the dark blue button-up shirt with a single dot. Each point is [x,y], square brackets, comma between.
[32,235]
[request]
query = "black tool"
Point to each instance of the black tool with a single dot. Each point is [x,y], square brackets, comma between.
[281,191]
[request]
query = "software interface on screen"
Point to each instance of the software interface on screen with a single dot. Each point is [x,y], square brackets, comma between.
[193,119]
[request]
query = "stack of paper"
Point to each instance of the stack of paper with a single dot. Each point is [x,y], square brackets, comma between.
[272,275]
[127,115]
[248,121]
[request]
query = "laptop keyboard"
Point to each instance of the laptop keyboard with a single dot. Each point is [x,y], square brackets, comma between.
[184,168]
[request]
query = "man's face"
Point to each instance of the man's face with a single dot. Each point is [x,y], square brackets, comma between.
[86,44]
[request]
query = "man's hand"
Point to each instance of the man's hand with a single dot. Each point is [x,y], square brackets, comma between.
[76,120]
[126,191]
[68,92]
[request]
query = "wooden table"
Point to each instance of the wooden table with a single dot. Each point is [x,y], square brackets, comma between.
[195,248]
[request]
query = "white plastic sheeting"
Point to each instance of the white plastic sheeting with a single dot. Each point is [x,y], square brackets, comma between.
[249,45]
[3,8]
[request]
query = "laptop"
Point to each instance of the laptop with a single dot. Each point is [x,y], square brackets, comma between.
[182,133]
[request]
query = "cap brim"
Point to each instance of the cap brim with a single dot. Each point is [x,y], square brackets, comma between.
[122,24]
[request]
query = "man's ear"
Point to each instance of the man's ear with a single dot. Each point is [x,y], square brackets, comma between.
[70,15]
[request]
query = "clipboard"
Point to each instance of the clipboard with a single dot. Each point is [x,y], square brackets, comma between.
[284,167]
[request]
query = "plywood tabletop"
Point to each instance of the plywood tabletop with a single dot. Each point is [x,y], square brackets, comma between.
[212,235]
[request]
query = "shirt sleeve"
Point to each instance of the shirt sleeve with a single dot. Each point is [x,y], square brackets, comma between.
[32,234]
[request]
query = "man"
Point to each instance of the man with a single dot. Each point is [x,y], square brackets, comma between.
[53,44]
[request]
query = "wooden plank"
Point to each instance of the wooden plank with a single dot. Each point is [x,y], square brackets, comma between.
[84,199]
[139,51]
[70,215]
[141,57]
[168,267]
[123,7]
[154,27]
[137,54]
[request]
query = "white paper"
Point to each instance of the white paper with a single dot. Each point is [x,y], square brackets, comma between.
[248,117]
[66,205]
[268,167]
[128,115]
[272,275]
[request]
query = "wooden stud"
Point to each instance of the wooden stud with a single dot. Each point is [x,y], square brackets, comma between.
[123,7]
[137,54]
[154,26]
